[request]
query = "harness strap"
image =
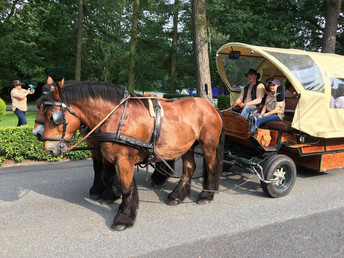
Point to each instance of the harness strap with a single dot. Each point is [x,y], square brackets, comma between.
[121,121]
[121,139]
[157,123]
[39,122]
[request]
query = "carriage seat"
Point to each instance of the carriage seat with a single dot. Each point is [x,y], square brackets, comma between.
[279,125]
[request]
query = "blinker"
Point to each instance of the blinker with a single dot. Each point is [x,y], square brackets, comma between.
[58,117]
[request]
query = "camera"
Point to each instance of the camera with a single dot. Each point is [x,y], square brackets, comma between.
[32,86]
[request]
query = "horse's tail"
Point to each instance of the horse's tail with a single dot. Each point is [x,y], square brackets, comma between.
[219,154]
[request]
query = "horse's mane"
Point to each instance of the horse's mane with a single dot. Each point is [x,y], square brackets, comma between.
[77,91]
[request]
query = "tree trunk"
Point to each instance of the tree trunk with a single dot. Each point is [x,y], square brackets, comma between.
[200,45]
[133,44]
[174,47]
[79,43]
[330,32]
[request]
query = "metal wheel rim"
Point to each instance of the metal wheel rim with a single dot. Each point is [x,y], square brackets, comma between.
[282,175]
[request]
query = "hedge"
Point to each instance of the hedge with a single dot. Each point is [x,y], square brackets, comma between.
[223,102]
[175,95]
[18,144]
[2,109]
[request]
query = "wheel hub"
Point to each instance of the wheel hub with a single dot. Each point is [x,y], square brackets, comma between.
[279,176]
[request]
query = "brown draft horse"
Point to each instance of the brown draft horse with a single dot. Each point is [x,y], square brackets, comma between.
[184,123]
[105,184]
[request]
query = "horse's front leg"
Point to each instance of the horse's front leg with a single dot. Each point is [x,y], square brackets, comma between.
[98,186]
[182,190]
[127,210]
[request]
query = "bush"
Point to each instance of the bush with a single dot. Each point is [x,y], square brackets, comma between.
[223,102]
[175,95]
[2,109]
[18,144]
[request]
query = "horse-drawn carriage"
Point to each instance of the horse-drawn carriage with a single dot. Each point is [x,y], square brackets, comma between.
[312,133]
[130,130]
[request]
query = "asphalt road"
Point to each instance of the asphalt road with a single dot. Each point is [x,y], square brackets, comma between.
[45,212]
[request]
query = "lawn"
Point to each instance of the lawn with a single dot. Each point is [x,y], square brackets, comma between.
[10,119]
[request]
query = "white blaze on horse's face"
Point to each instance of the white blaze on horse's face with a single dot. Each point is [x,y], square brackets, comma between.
[38,131]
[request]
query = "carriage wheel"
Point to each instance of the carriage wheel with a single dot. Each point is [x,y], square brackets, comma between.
[282,170]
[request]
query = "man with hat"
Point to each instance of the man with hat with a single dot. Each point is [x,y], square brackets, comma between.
[251,95]
[19,101]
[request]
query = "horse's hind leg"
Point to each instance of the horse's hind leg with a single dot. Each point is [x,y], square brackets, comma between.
[210,180]
[161,173]
[127,210]
[213,159]
[112,189]
[98,182]
[182,190]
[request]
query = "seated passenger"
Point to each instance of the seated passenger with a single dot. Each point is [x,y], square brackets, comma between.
[251,95]
[272,109]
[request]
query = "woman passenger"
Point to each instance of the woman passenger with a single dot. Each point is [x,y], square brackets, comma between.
[272,109]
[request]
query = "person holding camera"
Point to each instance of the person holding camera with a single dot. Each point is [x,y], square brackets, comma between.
[19,101]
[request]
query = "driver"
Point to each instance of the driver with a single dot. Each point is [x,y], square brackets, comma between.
[251,95]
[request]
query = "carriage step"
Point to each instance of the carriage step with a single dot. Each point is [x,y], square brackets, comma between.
[269,149]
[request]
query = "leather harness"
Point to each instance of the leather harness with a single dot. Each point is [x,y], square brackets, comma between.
[130,141]
[106,136]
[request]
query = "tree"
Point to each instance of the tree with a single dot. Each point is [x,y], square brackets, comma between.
[330,31]
[79,43]
[133,43]
[200,45]
[174,47]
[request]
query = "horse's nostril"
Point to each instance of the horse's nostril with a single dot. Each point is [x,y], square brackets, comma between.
[50,152]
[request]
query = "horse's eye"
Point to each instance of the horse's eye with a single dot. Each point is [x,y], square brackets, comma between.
[51,118]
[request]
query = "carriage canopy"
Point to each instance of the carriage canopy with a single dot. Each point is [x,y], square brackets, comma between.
[317,78]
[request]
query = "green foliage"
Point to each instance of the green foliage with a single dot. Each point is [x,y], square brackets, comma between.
[18,144]
[176,95]
[223,102]
[38,38]
[2,109]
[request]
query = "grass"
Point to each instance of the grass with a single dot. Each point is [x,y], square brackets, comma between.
[10,119]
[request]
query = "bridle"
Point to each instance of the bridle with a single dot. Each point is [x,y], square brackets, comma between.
[58,117]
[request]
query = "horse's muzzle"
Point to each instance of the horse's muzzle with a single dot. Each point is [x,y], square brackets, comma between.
[55,148]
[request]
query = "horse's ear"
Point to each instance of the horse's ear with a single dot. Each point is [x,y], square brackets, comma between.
[58,91]
[50,80]
[61,83]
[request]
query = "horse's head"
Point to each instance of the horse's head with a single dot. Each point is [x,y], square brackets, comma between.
[60,122]
[38,128]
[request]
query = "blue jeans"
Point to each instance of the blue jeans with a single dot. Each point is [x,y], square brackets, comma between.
[21,117]
[246,111]
[264,120]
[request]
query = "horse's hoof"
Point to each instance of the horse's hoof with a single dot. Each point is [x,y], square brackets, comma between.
[203,201]
[94,196]
[106,201]
[173,202]
[157,186]
[118,227]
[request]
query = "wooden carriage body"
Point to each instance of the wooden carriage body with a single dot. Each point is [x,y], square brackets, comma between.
[314,153]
